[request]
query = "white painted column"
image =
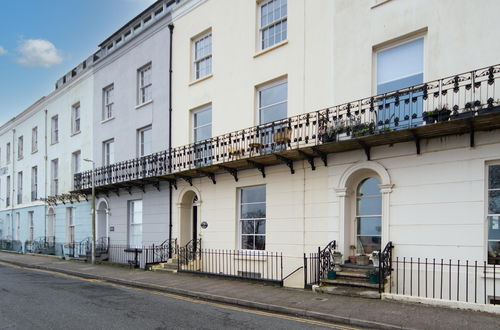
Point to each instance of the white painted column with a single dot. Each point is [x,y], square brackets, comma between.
[386,190]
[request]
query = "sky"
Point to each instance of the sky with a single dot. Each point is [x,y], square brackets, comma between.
[41,40]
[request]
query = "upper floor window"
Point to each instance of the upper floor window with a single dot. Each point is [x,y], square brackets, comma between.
[34,183]
[20,147]
[54,177]
[252,214]
[54,130]
[7,191]
[202,124]
[8,153]
[76,162]
[108,152]
[144,141]
[107,102]
[494,214]
[400,66]
[202,59]
[20,187]
[34,139]
[273,101]
[273,22]
[75,118]
[145,84]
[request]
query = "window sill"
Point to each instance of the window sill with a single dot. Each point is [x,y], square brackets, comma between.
[143,104]
[106,120]
[20,158]
[52,143]
[75,133]
[255,255]
[201,79]
[34,151]
[273,47]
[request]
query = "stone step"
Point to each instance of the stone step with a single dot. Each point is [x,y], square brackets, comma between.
[349,291]
[166,270]
[354,282]
[352,274]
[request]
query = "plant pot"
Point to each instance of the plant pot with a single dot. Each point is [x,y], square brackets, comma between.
[443,115]
[461,115]
[337,258]
[429,117]
[331,275]
[487,111]
[373,278]
[363,260]
[376,261]
[352,259]
[325,138]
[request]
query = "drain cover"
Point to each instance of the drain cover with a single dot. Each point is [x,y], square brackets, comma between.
[321,299]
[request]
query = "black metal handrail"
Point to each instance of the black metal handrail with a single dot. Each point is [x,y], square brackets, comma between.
[326,259]
[454,97]
[385,265]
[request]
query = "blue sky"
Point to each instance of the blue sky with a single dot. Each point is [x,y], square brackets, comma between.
[41,40]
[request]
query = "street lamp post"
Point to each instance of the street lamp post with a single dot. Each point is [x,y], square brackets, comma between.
[93,210]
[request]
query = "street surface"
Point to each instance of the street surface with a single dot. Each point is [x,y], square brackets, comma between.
[32,299]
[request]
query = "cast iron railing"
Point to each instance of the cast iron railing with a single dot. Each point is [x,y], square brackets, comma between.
[249,265]
[464,95]
[385,265]
[156,254]
[454,280]
[11,245]
[317,265]
[42,245]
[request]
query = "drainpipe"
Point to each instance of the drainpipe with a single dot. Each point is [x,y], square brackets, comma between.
[12,189]
[45,176]
[171,28]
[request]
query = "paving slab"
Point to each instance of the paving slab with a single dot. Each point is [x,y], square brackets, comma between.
[372,313]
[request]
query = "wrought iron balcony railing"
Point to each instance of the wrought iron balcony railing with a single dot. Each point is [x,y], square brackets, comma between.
[464,96]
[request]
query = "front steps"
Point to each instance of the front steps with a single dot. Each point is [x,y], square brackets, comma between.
[352,281]
[169,267]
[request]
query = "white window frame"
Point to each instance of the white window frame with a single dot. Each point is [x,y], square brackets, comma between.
[266,86]
[54,129]
[240,220]
[7,191]
[54,176]
[20,147]
[206,58]
[20,187]
[70,225]
[194,114]
[17,227]
[132,223]
[140,141]
[34,139]
[108,102]
[262,29]
[107,147]
[31,226]
[75,118]
[8,153]
[143,87]
[34,183]
[488,214]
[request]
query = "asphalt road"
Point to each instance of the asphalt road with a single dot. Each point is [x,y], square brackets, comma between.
[31,299]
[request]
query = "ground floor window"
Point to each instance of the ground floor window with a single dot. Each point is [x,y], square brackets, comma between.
[368,216]
[494,214]
[70,225]
[135,223]
[252,217]
[31,226]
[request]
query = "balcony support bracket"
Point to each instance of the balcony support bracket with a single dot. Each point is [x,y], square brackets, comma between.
[366,148]
[117,192]
[309,158]
[156,185]
[210,175]
[188,179]
[288,162]
[129,190]
[417,141]
[258,166]
[232,171]
[173,183]
[322,155]
[472,133]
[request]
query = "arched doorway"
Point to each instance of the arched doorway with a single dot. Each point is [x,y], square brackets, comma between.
[102,220]
[189,218]
[51,220]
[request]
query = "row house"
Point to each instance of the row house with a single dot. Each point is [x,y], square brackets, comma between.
[299,142]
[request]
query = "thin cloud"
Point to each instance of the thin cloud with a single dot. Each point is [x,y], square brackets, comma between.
[38,52]
[3,51]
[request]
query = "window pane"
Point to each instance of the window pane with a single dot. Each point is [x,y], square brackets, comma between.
[203,133]
[273,113]
[494,202]
[247,227]
[273,95]
[260,227]
[369,226]
[260,242]
[203,117]
[247,242]
[369,206]
[369,187]
[494,252]
[494,228]
[368,244]
[252,211]
[253,194]
[494,177]
[399,62]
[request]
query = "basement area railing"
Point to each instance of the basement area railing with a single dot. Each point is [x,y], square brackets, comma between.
[465,95]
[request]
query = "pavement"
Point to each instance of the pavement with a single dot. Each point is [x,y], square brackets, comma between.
[358,312]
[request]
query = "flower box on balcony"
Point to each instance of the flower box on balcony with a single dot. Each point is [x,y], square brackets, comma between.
[436,116]
[363,129]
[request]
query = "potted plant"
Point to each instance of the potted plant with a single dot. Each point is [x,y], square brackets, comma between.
[373,276]
[491,107]
[437,115]
[331,275]
[363,260]
[331,132]
[352,258]
[363,129]
[467,112]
